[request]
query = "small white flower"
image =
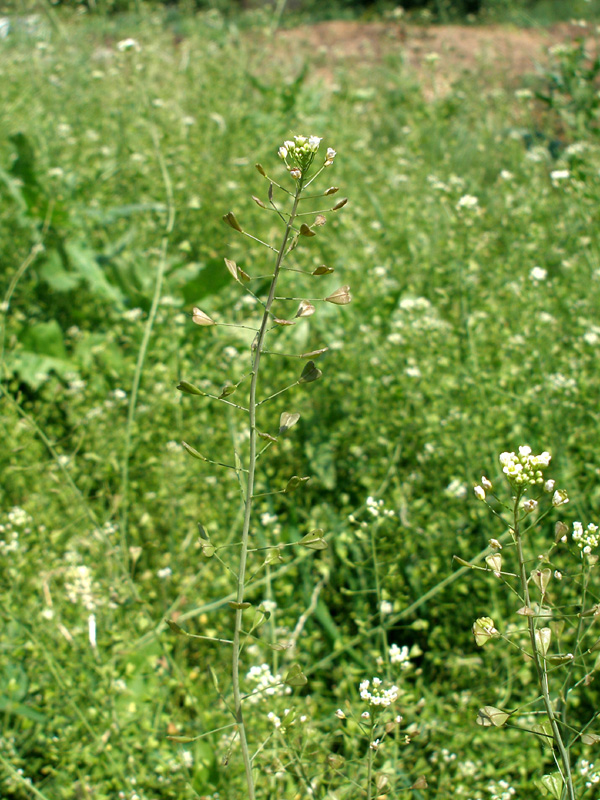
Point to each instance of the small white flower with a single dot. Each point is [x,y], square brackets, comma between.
[467,201]
[165,572]
[479,492]
[385,608]
[549,486]
[559,498]
[538,274]
[487,484]
[560,175]
[128,44]
[340,714]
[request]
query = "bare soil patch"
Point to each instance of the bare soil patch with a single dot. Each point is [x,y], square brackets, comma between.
[508,52]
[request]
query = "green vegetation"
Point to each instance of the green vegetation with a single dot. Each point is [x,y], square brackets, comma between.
[471,245]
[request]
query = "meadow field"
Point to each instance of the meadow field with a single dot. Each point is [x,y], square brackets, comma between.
[449,313]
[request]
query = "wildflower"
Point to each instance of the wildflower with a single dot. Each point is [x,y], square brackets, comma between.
[538,274]
[274,719]
[524,469]
[399,656]
[549,486]
[128,44]
[587,540]
[495,544]
[385,608]
[467,201]
[559,175]
[365,715]
[301,153]
[331,154]
[506,175]
[487,484]
[479,492]
[165,572]
[379,696]
[374,744]
[559,498]
[340,714]
[529,506]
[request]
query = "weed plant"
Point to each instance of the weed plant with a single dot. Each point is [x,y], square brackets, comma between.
[471,247]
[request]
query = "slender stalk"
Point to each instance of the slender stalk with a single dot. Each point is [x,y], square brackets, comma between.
[248,500]
[539,666]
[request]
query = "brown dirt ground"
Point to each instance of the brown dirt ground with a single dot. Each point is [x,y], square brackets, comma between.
[506,52]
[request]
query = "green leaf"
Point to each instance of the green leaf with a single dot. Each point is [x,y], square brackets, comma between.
[83,260]
[45,338]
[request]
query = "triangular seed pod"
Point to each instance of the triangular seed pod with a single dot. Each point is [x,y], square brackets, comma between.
[314,353]
[258,201]
[489,715]
[322,270]
[193,452]
[340,297]
[319,220]
[306,231]
[314,540]
[294,482]
[237,272]
[228,389]
[279,321]
[287,420]
[541,578]
[189,388]
[305,309]
[340,204]
[231,220]
[295,676]
[200,318]
[266,436]
[310,373]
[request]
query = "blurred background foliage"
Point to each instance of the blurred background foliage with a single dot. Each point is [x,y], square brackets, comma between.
[453,350]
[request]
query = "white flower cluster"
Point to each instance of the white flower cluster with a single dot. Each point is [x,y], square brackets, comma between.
[587,540]
[376,509]
[376,694]
[17,521]
[399,655]
[266,684]
[588,771]
[501,790]
[299,154]
[524,469]
[79,586]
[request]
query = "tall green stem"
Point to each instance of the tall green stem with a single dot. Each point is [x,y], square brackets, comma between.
[540,667]
[260,339]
